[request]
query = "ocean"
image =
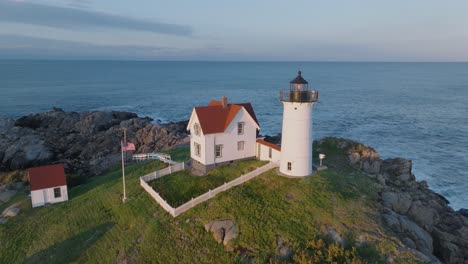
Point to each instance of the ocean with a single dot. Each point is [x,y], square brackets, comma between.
[417,111]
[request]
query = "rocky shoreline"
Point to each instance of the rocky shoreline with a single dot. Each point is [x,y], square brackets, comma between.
[421,218]
[86,142]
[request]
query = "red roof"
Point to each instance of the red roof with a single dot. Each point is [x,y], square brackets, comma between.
[46,177]
[215,119]
[268,144]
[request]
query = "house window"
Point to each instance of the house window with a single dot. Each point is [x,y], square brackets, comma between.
[196,129]
[219,151]
[270,153]
[197,148]
[240,128]
[240,145]
[289,166]
[57,192]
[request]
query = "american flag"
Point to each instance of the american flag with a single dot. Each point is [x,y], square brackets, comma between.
[128,146]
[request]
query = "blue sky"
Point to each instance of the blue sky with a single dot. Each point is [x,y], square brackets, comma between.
[360,30]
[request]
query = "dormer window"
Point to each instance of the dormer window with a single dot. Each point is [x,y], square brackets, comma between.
[196,129]
[240,128]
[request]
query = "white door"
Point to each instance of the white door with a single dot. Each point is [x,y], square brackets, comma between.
[46,200]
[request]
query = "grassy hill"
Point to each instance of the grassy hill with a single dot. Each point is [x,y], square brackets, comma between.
[95,227]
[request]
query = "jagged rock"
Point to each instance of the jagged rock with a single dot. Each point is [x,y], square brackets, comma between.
[230,234]
[463,212]
[398,202]
[372,167]
[403,225]
[420,217]
[6,124]
[354,158]
[87,142]
[336,236]
[6,195]
[19,185]
[223,230]
[397,171]
[284,250]
[423,216]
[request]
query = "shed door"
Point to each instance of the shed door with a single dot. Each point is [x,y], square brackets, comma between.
[45,196]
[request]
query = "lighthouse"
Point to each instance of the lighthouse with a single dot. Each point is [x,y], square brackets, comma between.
[296,139]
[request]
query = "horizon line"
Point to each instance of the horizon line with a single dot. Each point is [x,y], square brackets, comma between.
[231,61]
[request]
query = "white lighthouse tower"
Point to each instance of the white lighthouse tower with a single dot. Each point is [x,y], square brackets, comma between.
[296,139]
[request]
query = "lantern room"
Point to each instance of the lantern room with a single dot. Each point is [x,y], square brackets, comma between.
[299,91]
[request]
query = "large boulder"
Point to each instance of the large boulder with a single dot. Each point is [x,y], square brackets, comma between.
[403,226]
[399,202]
[11,211]
[223,230]
[26,151]
[397,171]
[285,251]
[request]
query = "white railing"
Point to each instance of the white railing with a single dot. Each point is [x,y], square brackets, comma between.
[157,197]
[160,156]
[166,171]
[202,198]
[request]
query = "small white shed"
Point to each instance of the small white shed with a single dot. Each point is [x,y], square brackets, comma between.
[268,151]
[48,185]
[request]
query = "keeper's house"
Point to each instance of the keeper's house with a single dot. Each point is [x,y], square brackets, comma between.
[221,133]
[48,185]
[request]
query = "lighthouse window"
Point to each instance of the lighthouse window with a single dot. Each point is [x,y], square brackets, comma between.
[196,129]
[289,166]
[240,145]
[219,150]
[270,153]
[240,128]
[197,148]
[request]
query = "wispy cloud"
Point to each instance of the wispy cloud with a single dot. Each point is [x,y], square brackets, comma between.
[26,47]
[73,18]
[83,4]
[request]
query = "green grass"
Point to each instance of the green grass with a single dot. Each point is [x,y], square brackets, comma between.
[95,227]
[179,154]
[178,188]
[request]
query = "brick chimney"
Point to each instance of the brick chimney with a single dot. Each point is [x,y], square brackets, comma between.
[224,101]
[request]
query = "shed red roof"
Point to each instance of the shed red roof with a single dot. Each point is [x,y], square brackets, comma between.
[268,144]
[215,119]
[47,177]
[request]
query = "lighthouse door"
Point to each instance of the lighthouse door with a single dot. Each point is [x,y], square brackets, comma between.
[259,148]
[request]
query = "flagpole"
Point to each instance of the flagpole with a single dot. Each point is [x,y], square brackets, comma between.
[124,199]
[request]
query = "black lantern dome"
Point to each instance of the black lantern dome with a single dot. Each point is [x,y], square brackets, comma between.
[299,83]
[299,91]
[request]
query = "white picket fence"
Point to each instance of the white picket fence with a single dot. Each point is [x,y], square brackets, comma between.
[202,198]
[160,156]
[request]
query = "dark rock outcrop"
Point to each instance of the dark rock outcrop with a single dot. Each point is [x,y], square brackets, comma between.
[463,212]
[87,142]
[421,218]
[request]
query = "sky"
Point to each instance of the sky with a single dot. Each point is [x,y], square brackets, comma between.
[274,30]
